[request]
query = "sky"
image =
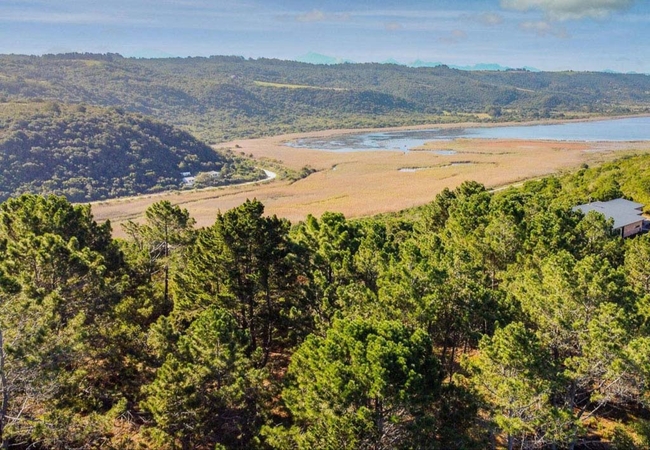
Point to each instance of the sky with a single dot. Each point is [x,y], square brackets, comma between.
[544,34]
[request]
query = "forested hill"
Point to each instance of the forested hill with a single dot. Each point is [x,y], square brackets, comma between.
[90,153]
[220,98]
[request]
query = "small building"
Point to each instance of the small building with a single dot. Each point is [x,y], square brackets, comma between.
[188,181]
[626,215]
[186,174]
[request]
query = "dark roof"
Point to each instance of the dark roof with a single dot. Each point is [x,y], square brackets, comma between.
[624,212]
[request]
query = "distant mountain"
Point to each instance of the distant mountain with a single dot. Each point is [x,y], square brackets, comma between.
[420,63]
[626,73]
[481,66]
[317,58]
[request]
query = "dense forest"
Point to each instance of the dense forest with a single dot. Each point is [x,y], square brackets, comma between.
[479,320]
[90,153]
[221,98]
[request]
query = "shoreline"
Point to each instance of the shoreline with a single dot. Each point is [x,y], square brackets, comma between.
[362,184]
[283,138]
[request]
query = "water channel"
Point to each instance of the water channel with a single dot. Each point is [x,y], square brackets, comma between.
[612,130]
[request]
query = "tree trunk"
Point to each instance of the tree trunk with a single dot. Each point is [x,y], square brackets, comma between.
[5,393]
[166,265]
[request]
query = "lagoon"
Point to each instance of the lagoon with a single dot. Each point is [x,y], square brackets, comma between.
[611,130]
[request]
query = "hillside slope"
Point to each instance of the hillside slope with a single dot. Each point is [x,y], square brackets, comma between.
[221,98]
[89,153]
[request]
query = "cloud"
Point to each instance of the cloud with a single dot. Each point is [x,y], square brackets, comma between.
[570,9]
[543,28]
[393,26]
[489,19]
[454,37]
[317,15]
[80,18]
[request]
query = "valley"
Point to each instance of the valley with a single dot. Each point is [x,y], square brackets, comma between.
[361,184]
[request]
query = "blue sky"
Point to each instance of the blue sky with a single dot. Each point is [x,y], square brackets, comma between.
[546,34]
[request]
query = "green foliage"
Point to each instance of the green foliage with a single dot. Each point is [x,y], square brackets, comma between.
[61,279]
[513,374]
[94,154]
[159,246]
[627,177]
[481,320]
[245,264]
[365,385]
[224,97]
[206,391]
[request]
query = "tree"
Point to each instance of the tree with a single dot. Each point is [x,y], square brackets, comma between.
[207,391]
[167,230]
[54,305]
[637,256]
[331,244]
[579,312]
[365,385]
[244,263]
[514,374]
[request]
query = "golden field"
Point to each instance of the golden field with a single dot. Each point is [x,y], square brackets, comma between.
[367,183]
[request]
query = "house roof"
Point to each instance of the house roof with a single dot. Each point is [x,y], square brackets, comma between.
[624,212]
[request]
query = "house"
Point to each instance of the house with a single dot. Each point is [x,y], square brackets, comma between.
[626,215]
[188,179]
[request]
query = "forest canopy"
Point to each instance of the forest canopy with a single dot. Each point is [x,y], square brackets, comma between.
[89,153]
[479,320]
[221,98]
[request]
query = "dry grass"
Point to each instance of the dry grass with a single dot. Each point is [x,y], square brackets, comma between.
[296,86]
[367,183]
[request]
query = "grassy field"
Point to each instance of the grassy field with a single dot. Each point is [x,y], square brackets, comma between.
[296,86]
[367,183]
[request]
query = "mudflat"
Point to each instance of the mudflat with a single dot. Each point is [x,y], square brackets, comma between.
[365,183]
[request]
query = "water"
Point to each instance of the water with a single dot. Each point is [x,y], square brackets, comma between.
[618,130]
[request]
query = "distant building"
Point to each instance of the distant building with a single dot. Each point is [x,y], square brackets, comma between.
[186,174]
[626,214]
[188,181]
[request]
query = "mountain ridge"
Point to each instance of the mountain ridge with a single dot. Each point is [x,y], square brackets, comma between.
[221,98]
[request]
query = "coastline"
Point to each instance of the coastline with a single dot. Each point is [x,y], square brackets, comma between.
[283,138]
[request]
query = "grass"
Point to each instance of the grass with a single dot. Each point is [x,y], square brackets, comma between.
[368,183]
[296,86]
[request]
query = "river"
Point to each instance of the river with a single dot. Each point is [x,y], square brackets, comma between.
[611,130]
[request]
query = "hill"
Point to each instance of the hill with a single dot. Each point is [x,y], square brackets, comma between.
[225,97]
[91,153]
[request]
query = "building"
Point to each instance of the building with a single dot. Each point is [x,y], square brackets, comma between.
[626,215]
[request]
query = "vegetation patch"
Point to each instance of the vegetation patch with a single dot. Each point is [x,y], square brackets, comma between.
[222,98]
[479,320]
[89,153]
